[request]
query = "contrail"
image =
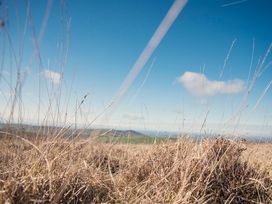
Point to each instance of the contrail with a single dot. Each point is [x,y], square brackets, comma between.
[145,79]
[153,43]
[233,3]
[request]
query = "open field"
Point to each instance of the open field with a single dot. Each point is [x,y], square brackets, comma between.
[131,140]
[85,171]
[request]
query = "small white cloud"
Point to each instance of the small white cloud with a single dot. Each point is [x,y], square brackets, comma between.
[204,102]
[198,84]
[178,111]
[54,77]
[5,73]
[133,117]
[6,93]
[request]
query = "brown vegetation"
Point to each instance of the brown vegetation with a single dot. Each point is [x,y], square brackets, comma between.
[61,171]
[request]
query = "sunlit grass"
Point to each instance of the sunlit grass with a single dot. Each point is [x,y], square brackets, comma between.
[76,171]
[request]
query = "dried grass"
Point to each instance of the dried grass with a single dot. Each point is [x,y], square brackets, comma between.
[213,171]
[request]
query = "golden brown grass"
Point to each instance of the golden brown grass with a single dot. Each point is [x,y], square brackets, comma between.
[62,171]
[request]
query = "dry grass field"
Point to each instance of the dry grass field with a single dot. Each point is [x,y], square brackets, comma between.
[81,171]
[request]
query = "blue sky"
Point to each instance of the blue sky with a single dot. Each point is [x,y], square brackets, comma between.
[179,86]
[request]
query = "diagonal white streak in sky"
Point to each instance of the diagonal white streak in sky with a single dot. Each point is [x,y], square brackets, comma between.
[153,43]
[234,3]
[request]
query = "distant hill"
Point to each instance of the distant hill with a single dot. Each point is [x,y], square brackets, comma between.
[113,133]
[84,133]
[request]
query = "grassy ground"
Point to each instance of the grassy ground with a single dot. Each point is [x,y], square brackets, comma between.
[133,140]
[76,171]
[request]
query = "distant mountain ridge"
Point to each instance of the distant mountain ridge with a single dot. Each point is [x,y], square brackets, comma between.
[114,133]
[83,132]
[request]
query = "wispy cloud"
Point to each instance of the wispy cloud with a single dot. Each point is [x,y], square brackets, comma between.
[133,117]
[6,93]
[4,73]
[198,84]
[204,102]
[54,77]
[233,3]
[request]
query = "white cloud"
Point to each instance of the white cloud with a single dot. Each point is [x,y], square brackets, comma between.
[204,102]
[54,77]
[133,117]
[4,73]
[198,84]
[8,94]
